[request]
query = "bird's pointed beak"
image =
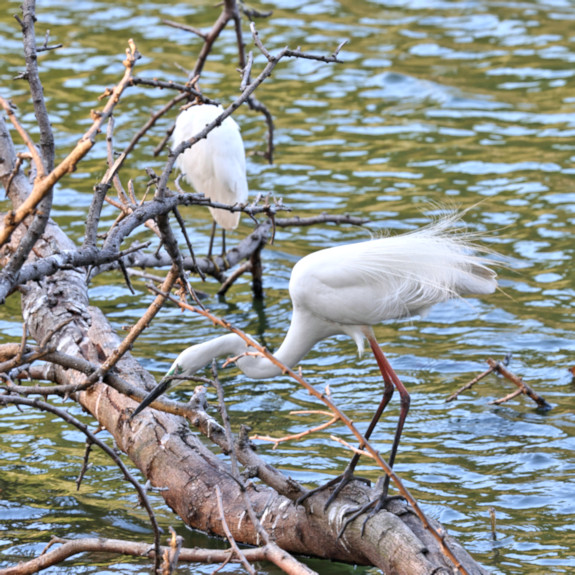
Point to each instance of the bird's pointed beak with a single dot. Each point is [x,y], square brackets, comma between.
[162,386]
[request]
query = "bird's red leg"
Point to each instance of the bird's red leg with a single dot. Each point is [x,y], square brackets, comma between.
[342,480]
[388,374]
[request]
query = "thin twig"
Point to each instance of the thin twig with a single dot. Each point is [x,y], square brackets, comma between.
[85,464]
[185,27]
[323,218]
[470,384]
[109,451]
[45,46]
[351,447]
[233,277]
[277,440]
[229,535]
[9,109]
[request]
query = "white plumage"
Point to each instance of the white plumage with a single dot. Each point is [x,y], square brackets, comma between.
[346,290]
[216,165]
[349,288]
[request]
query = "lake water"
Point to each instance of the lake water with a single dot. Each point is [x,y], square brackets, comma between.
[467,104]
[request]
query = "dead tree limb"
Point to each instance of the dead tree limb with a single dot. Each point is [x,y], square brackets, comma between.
[64,549]
[517,381]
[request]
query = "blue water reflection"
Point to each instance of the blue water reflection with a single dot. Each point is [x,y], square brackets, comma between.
[436,102]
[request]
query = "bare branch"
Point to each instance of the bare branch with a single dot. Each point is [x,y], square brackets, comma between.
[171,85]
[252,13]
[42,187]
[522,387]
[45,46]
[237,551]
[5,400]
[65,259]
[69,548]
[233,277]
[44,204]
[277,440]
[321,219]
[140,325]
[187,28]
[470,384]
[36,90]
[9,109]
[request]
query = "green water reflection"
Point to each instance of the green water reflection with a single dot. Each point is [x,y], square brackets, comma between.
[437,102]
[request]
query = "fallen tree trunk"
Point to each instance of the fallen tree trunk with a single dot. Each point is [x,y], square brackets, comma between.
[164,448]
[172,457]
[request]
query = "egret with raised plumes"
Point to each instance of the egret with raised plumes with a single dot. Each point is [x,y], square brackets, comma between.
[346,290]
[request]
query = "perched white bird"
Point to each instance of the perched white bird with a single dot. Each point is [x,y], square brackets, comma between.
[346,290]
[216,165]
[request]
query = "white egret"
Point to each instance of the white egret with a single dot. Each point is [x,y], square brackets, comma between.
[346,290]
[214,166]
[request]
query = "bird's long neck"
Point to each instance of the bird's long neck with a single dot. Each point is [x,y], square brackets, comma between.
[300,338]
[304,332]
[197,356]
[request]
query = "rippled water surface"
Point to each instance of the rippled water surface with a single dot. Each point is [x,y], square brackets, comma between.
[468,104]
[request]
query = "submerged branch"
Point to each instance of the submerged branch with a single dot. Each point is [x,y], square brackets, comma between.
[68,548]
